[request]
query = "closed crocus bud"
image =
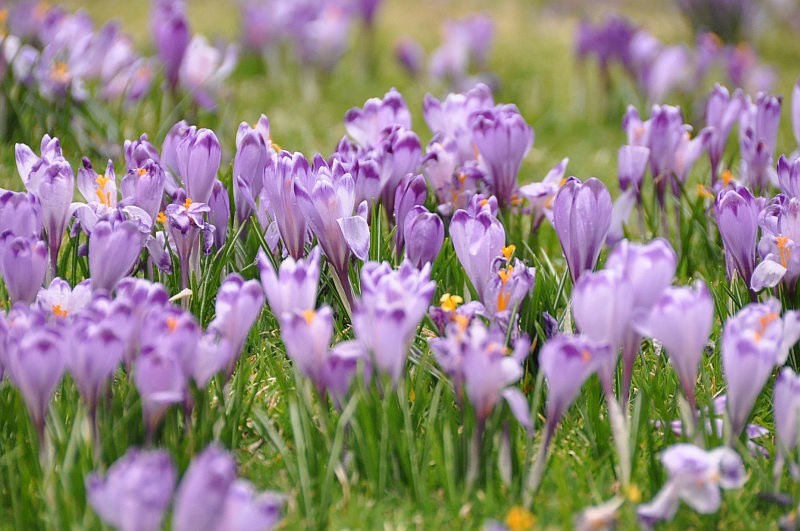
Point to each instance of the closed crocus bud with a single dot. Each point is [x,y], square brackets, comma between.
[786,405]
[424,236]
[248,510]
[410,55]
[54,185]
[169,153]
[649,267]
[161,382]
[502,138]
[681,320]
[95,351]
[695,476]
[138,151]
[248,164]
[238,305]
[412,192]
[294,288]
[796,111]
[567,362]
[366,124]
[758,136]
[135,492]
[581,218]
[170,30]
[35,363]
[602,303]
[399,154]
[23,264]
[114,248]
[201,496]
[478,240]
[631,165]
[754,341]
[219,213]
[279,185]
[307,336]
[20,214]
[199,156]
[789,176]
[392,304]
[737,218]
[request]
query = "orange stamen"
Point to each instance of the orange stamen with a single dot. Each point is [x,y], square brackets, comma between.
[508,251]
[187,203]
[58,311]
[141,171]
[309,315]
[783,249]
[172,324]
[727,177]
[161,218]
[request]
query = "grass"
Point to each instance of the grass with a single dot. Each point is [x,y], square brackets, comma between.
[398,459]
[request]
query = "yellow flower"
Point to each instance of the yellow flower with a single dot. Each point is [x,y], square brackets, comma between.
[519,519]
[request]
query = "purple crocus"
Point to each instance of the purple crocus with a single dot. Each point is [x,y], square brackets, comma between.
[95,351]
[451,117]
[478,238]
[399,153]
[135,492]
[542,194]
[160,381]
[722,112]
[512,281]
[780,235]
[114,247]
[23,264]
[754,341]
[199,155]
[681,320]
[307,336]
[602,303]
[581,218]
[411,192]
[788,175]
[200,498]
[61,300]
[170,29]
[185,225]
[219,213]
[737,218]
[20,214]
[144,187]
[631,165]
[424,236]
[758,136]
[279,188]
[247,509]
[173,331]
[249,164]
[203,69]
[385,318]
[294,288]
[786,405]
[35,363]
[695,476]
[237,307]
[502,138]
[366,124]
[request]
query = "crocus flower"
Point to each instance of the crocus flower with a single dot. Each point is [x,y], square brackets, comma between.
[171,330]
[161,382]
[567,362]
[204,68]
[399,154]
[185,225]
[294,288]
[135,492]
[789,176]
[199,155]
[410,55]
[237,307]
[139,151]
[411,192]
[23,264]
[424,236]
[787,408]
[114,247]
[95,351]
[502,138]
[581,218]
[758,135]
[249,164]
[53,184]
[200,498]
[385,318]
[451,117]
[61,300]
[170,29]
[722,112]
[780,234]
[737,218]
[681,320]
[631,165]
[35,363]
[478,239]
[602,303]
[144,187]
[20,214]
[754,341]
[694,476]
[307,336]
[219,213]
[247,509]
[510,284]
[279,188]
[366,124]
[542,194]
[328,207]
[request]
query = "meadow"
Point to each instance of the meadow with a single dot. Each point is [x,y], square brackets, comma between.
[361,391]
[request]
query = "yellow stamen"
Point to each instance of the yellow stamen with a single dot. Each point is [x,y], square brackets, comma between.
[460,320]
[586,356]
[519,519]
[161,218]
[187,203]
[141,171]
[503,299]
[783,249]
[59,72]
[763,322]
[634,495]
[549,202]
[450,302]
[309,315]
[505,274]
[41,10]
[727,177]
[462,177]
[475,150]
[58,311]
[508,251]
[484,202]
[3,15]
[172,324]
[102,193]
[702,191]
